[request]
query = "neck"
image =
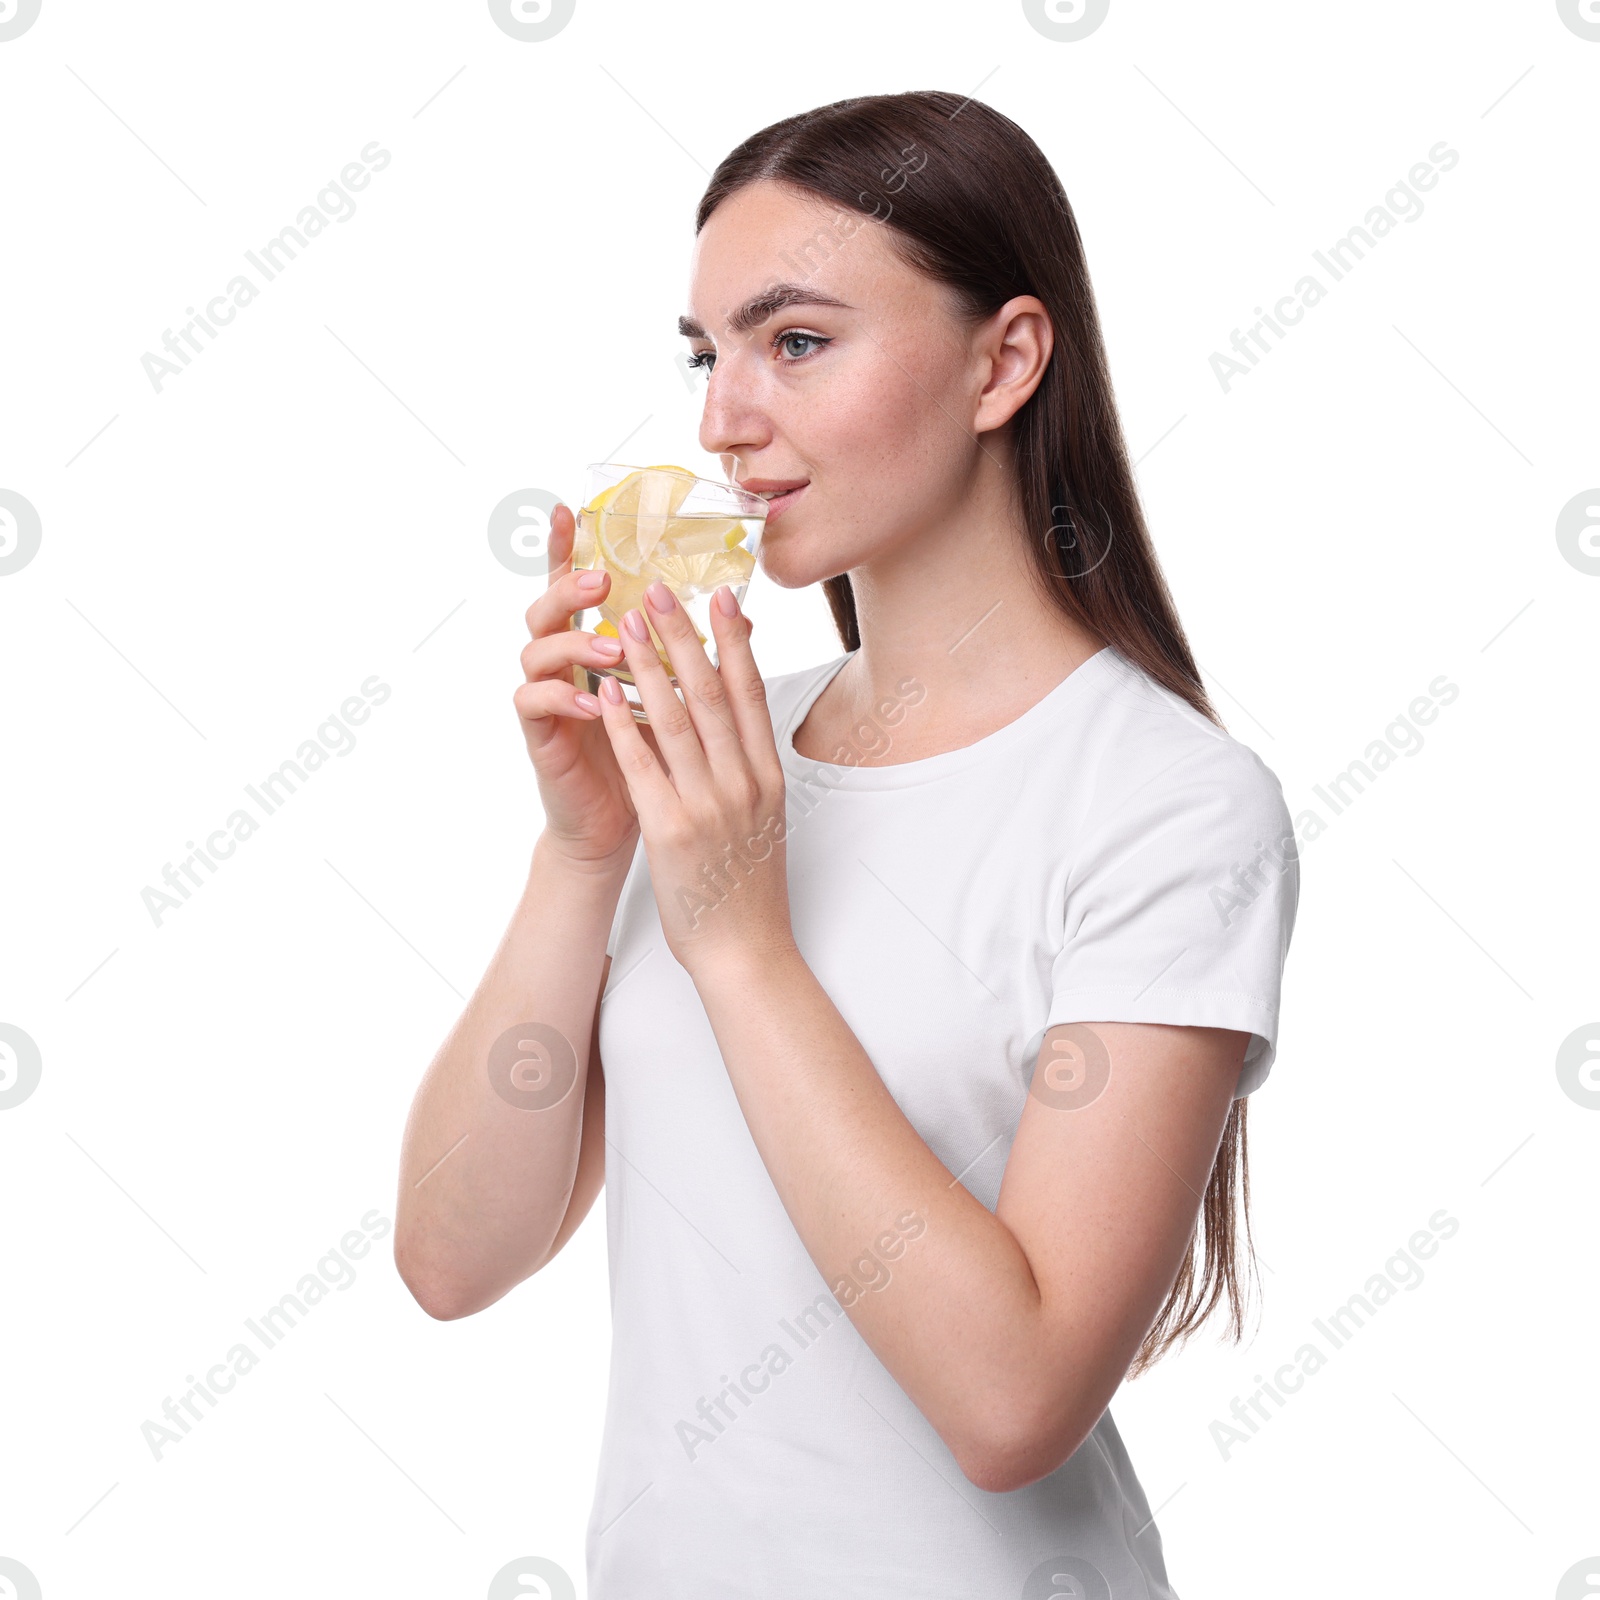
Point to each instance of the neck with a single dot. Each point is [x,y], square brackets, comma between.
[959,609]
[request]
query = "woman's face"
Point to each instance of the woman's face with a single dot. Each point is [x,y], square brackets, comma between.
[862,385]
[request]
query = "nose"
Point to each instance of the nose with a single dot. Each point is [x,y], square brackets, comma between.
[733,422]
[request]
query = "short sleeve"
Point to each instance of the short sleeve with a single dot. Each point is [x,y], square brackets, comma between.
[1180,906]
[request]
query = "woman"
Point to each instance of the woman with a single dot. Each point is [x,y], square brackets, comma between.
[942,970]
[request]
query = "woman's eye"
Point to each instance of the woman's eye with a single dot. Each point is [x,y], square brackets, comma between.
[787,341]
[794,347]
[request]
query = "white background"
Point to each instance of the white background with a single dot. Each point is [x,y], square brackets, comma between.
[224,562]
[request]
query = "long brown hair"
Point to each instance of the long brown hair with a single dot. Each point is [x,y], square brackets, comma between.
[970,200]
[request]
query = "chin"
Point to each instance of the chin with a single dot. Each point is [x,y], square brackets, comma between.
[792,560]
[788,574]
[786,568]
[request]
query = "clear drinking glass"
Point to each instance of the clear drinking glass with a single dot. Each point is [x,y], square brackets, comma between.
[644,523]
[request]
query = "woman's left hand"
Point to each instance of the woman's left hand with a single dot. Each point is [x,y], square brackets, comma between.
[711,808]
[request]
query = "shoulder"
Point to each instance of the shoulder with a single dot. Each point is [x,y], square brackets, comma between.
[1157,762]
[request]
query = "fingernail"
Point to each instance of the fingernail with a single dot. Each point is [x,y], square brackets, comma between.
[587,701]
[607,646]
[590,579]
[726,604]
[634,622]
[660,596]
[611,689]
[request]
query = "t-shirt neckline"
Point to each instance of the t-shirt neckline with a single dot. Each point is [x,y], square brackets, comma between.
[899,774]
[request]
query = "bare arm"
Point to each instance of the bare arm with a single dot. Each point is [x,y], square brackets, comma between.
[489,1190]
[1009,1330]
[591,1175]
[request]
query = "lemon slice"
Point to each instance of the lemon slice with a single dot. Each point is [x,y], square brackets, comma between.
[650,499]
[698,574]
[604,500]
[631,517]
[633,531]
[704,535]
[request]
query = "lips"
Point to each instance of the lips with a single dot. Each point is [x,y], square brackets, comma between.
[779,493]
[781,502]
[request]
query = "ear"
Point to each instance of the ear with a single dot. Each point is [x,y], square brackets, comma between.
[1013,347]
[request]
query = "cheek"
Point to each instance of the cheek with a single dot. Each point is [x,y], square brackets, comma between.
[850,416]
[887,431]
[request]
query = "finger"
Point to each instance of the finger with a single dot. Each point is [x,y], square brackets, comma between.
[565,592]
[555,654]
[674,727]
[541,704]
[702,686]
[649,784]
[741,677]
[558,552]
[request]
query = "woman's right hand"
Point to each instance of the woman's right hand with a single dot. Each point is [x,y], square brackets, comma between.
[589,815]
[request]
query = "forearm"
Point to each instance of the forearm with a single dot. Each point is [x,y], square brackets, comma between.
[957,1323]
[487,1160]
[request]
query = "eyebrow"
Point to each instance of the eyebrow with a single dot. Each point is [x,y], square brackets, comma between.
[760,307]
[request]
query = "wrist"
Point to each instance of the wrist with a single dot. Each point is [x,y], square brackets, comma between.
[742,969]
[607,869]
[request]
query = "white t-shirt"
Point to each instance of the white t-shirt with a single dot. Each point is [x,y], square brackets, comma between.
[1077,865]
